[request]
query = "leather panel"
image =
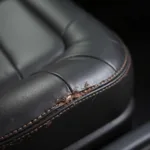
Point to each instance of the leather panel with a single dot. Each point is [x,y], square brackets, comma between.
[8,74]
[29,99]
[81,72]
[82,34]
[29,42]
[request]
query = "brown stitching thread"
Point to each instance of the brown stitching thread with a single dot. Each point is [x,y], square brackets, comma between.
[90,96]
[20,139]
[55,106]
[78,102]
[49,110]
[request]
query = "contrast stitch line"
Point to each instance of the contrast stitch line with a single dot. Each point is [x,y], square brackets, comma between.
[96,93]
[49,110]
[67,109]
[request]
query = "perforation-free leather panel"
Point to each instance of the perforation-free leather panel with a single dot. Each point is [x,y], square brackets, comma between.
[29,42]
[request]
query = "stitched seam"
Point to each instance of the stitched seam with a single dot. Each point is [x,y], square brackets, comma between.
[94,94]
[67,109]
[47,112]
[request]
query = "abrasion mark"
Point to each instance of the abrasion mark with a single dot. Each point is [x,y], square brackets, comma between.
[75,95]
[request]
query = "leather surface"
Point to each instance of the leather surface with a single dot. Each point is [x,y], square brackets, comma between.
[65,68]
[27,41]
[8,74]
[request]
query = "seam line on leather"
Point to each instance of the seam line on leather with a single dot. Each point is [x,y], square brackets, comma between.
[61,78]
[68,108]
[67,27]
[86,56]
[49,110]
[9,58]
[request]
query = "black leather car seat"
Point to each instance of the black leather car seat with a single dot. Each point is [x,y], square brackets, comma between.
[63,74]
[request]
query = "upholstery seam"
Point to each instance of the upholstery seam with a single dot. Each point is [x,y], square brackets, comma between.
[92,57]
[48,111]
[67,27]
[11,61]
[67,109]
[61,78]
